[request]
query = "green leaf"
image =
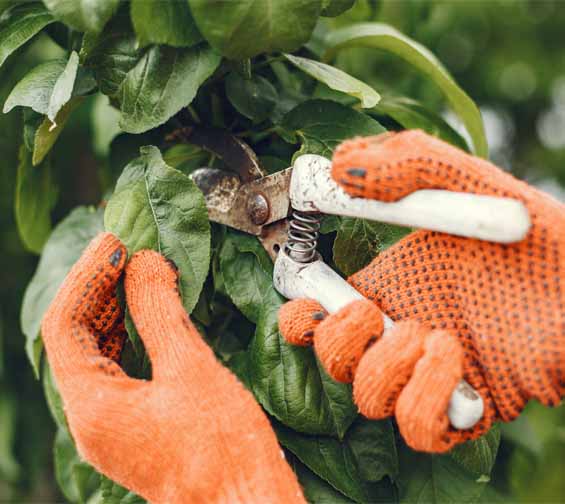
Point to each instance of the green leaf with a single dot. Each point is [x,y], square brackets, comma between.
[158,22]
[32,122]
[36,88]
[63,88]
[19,24]
[186,157]
[112,493]
[9,468]
[48,90]
[246,28]
[366,455]
[53,397]
[321,125]
[155,206]
[246,275]
[332,8]
[254,98]
[35,197]
[411,114]
[478,456]
[150,85]
[83,15]
[372,443]
[62,250]
[337,79]
[1,347]
[534,427]
[287,380]
[104,124]
[534,447]
[76,478]
[539,478]
[359,241]
[431,479]
[385,37]
[48,132]
[315,489]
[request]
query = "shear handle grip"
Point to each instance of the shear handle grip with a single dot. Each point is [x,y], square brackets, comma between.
[502,220]
[316,280]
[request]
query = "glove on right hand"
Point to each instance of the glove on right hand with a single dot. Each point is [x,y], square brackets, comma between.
[487,312]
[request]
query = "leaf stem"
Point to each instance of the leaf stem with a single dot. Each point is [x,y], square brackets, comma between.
[193,114]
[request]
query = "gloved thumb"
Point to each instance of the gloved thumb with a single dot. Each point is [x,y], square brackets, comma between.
[390,166]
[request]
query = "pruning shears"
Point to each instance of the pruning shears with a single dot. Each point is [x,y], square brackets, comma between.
[282,209]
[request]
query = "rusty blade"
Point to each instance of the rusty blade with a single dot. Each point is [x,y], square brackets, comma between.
[233,151]
[246,206]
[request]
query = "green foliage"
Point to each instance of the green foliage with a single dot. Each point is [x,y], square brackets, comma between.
[332,8]
[435,479]
[170,23]
[9,469]
[53,90]
[316,490]
[413,115]
[112,493]
[83,15]
[478,456]
[35,197]
[384,37]
[103,106]
[75,478]
[254,97]
[358,241]
[250,27]
[19,24]
[335,79]
[151,84]
[364,457]
[320,125]
[157,207]
[288,381]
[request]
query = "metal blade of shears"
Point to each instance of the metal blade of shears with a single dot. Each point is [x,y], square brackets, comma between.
[244,196]
[259,207]
[248,206]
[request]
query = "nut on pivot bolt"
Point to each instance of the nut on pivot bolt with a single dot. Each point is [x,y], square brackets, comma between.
[258,208]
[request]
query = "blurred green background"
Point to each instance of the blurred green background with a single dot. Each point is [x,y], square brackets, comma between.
[510,58]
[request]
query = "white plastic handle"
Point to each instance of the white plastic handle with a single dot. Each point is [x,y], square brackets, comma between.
[502,220]
[316,280]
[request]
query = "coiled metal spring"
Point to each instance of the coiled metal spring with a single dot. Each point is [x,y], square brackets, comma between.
[303,236]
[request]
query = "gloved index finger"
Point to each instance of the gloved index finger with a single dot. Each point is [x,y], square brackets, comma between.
[173,344]
[484,217]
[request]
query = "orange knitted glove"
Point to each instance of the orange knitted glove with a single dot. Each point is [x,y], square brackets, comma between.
[191,434]
[488,312]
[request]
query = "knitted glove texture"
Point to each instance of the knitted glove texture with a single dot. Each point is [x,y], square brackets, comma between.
[487,312]
[191,434]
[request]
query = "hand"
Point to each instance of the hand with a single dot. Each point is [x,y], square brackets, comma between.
[191,434]
[490,313]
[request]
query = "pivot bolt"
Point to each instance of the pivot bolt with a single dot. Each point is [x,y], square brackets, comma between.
[258,209]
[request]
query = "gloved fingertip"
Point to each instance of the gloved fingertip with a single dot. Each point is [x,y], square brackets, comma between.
[390,166]
[421,409]
[148,267]
[298,320]
[386,368]
[106,250]
[343,337]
